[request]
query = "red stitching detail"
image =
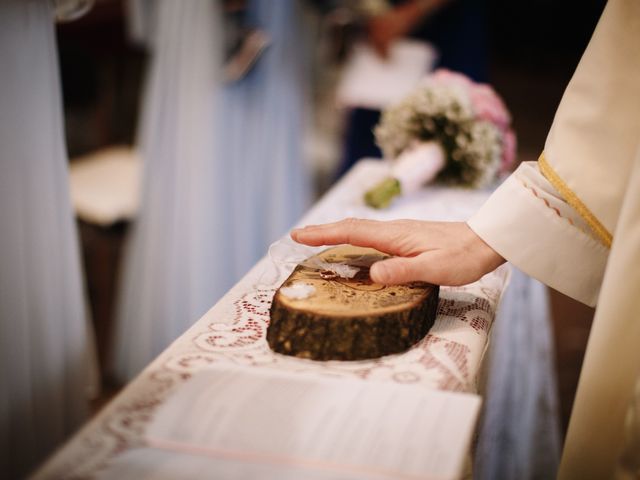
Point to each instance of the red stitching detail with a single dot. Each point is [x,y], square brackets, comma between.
[546,202]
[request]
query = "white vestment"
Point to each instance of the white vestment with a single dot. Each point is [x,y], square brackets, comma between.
[573,222]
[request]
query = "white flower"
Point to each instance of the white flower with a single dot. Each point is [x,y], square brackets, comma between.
[443,112]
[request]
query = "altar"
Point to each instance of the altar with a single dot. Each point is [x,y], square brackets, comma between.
[232,333]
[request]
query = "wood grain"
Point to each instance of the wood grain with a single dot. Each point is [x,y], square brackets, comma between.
[349,319]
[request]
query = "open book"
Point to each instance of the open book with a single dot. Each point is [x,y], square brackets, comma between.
[249,423]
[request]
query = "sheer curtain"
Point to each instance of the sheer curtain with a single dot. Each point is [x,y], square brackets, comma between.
[224,173]
[174,268]
[46,354]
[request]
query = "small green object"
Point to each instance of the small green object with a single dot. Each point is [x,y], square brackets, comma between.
[383,193]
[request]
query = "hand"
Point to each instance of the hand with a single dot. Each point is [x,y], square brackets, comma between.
[383,30]
[442,253]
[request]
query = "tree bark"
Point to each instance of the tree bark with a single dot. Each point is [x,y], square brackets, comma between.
[349,319]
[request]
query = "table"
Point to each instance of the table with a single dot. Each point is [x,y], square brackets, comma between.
[233,331]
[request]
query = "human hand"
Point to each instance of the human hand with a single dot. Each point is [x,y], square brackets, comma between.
[383,30]
[397,22]
[442,253]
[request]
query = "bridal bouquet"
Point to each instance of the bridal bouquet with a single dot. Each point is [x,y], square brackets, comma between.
[450,130]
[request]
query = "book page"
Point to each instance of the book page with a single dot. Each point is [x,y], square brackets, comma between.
[335,427]
[373,82]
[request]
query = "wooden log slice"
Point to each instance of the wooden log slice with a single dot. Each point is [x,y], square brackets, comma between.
[348,319]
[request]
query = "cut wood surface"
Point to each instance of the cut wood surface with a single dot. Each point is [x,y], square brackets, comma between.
[348,318]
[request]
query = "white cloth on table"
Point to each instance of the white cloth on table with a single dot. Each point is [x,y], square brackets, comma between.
[520,406]
[233,333]
[47,360]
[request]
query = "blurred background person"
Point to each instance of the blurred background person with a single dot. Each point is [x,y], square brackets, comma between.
[171,270]
[260,129]
[224,171]
[456,28]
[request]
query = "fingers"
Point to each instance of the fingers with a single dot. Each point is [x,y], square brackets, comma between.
[349,230]
[399,270]
[443,253]
[439,267]
[387,237]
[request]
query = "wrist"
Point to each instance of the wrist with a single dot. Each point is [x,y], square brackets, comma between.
[488,259]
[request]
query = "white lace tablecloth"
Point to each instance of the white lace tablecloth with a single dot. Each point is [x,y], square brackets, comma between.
[233,332]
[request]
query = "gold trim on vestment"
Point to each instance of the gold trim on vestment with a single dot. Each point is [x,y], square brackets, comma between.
[572,199]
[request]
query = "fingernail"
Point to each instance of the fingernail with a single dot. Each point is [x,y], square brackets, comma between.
[379,272]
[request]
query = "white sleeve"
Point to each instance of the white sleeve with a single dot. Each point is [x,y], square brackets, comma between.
[528,223]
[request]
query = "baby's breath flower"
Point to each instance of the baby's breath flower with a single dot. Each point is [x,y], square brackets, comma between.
[442,110]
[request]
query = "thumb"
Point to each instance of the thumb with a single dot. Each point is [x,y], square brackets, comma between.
[397,270]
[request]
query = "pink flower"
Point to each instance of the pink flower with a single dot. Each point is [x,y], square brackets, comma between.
[448,77]
[486,103]
[488,106]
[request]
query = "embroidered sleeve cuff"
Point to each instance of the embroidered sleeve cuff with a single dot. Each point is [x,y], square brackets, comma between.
[527,223]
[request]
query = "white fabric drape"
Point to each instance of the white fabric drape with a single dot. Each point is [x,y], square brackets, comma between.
[172,271]
[46,355]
